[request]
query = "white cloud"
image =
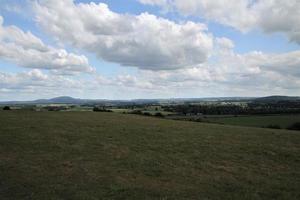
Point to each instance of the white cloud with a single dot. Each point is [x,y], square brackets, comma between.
[191,62]
[255,62]
[36,83]
[27,80]
[244,15]
[26,50]
[253,73]
[144,41]
[280,16]
[224,43]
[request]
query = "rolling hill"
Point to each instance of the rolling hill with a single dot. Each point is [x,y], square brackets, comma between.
[274,99]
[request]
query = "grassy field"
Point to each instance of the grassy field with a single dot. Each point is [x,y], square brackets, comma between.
[284,121]
[88,155]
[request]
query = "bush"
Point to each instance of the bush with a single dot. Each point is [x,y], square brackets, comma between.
[55,108]
[6,108]
[295,126]
[97,109]
[158,115]
[147,114]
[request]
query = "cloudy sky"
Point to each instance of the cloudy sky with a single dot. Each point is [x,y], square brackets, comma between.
[148,48]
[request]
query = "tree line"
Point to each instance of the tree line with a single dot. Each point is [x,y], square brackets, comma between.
[251,108]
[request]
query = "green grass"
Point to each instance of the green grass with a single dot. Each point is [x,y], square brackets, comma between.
[121,110]
[284,121]
[88,155]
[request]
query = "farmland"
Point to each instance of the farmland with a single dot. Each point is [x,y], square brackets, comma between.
[282,121]
[95,155]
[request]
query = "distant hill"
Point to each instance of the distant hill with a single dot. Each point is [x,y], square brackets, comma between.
[274,99]
[60,100]
[71,100]
[56,100]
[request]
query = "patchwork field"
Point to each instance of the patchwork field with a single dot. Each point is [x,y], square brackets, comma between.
[88,155]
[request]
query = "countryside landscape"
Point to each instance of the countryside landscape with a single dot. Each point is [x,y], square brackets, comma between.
[149,99]
[66,148]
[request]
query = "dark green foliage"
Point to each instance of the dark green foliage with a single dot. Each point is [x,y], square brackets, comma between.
[6,108]
[55,108]
[158,114]
[147,114]
[101,109]
[136,112]
[95,155]
[252,108]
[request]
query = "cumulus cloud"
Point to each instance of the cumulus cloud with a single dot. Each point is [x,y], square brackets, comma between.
[183,59]
[25,80]
[255,62]
[27,50]
[230,73]
[144,41]
[244,15]
[37,83]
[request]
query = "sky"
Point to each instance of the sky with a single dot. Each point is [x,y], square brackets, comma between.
[132,49]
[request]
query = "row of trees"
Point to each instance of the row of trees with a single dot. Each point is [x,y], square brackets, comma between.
[253,108]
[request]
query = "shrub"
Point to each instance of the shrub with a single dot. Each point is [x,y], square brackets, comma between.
[6,108]
[55,108]
[158,115]
[295,126]
[147,114]
[97,109]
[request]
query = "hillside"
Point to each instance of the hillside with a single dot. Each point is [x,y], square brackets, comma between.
[87,155]
[274,99]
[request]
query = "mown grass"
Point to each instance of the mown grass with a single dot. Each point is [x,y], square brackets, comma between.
[284,121]
[88,155]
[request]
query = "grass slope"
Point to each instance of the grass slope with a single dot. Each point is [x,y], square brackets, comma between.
[86,155]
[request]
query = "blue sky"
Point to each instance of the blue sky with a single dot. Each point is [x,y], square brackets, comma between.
[148,49]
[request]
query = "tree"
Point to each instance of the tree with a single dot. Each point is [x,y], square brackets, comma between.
[6,108]
[97,109]
[147,114]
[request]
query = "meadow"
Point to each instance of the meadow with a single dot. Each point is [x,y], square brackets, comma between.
[97,155]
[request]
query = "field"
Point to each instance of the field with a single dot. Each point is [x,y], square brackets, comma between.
[284,121]
[94,155]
